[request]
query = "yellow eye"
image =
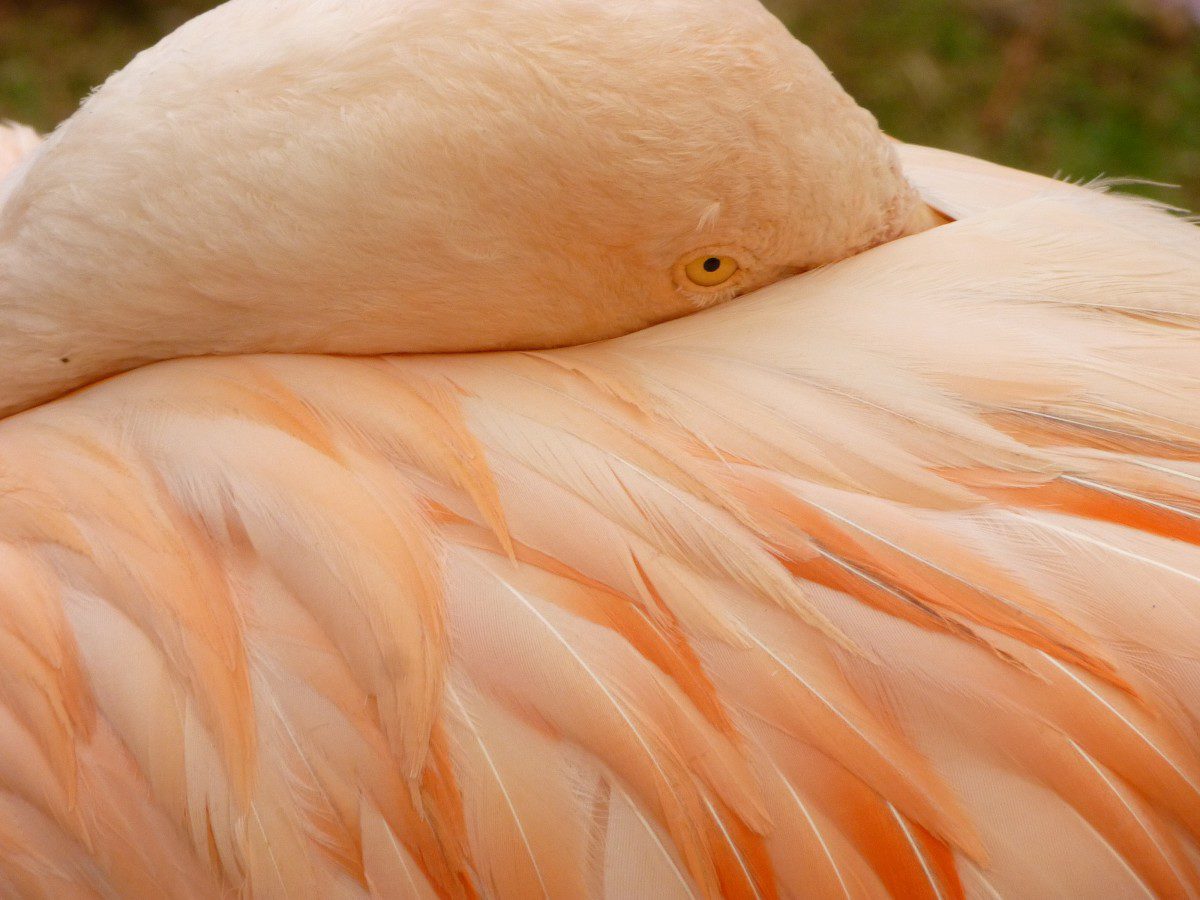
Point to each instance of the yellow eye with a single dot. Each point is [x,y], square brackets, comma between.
[710,271]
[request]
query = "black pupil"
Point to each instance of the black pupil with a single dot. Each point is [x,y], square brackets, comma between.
[712,264]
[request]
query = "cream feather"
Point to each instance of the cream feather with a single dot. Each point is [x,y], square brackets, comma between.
[887,574]
[883,579]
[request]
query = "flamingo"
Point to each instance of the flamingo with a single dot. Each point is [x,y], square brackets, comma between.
[821,520]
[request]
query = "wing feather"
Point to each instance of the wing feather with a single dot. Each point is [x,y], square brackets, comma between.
[881,580]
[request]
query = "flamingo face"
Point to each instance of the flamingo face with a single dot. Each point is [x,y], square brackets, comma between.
[399,177]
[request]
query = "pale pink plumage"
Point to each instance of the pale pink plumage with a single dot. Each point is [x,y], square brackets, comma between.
[885,579]
[16,143]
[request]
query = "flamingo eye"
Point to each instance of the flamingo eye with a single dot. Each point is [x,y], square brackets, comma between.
[710,271]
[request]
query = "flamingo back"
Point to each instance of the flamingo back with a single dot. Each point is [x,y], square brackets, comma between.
[882,580]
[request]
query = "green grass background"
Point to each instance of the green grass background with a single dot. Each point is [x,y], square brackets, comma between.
[1074,87]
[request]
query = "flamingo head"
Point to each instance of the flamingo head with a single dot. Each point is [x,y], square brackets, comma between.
[393,176]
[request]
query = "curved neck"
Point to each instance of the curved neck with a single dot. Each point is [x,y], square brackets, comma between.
[43,354]
[68,318]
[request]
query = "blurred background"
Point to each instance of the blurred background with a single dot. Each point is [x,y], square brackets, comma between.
[1079,88]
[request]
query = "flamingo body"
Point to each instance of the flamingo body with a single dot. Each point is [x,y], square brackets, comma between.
[883,579]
